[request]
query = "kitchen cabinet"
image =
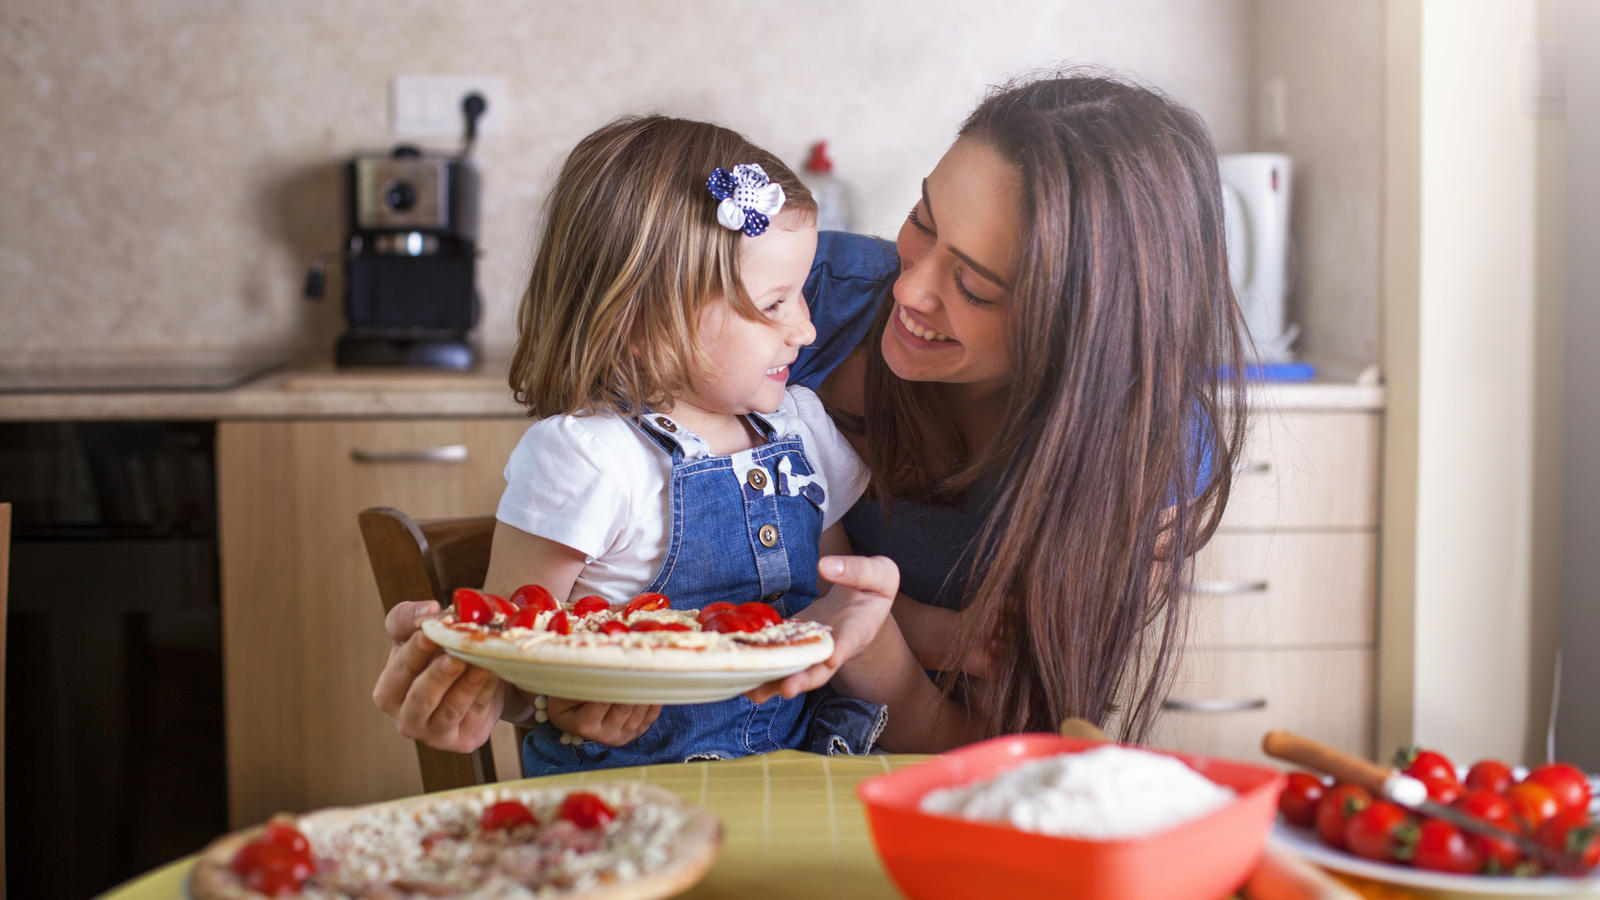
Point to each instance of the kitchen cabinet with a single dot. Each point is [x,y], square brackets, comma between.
[302,635]
[1285,596]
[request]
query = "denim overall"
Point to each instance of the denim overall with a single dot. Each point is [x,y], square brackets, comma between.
[744,526]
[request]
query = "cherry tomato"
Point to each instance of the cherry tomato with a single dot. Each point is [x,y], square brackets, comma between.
[588,606]
[506,815]
[1382,831]
[1298,802]
[472,606]
[1338,806]
[501,605]
[1443,848]
[729,621]
[273,882]
[559,624]
[1442,790]
[614,627]
[1425,765]
[646,625]
[712,609]
[760,612]
[1566,783]
[526,617]
[535,597]
[645,602]
[674,626]
[1500,856]
[1531,804]
[1576,836]
[271,868]
[1489,775]
[585,810]
[287,836]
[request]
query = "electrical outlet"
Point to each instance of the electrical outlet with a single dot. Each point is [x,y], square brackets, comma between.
[426,106]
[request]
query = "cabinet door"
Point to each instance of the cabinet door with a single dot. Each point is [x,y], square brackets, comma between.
[1285,588]
[302,623]
[1307,470]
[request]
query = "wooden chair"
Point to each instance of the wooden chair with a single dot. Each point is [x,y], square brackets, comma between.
[426,560]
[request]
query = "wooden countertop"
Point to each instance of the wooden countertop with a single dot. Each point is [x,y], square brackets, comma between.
[321,391]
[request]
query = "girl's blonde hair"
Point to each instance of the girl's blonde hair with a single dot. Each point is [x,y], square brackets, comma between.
[631,254]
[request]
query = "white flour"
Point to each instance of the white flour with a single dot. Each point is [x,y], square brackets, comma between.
[1102,794]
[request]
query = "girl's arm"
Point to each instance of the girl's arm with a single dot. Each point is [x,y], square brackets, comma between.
[517,558]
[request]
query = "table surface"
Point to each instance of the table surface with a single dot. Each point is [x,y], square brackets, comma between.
[792,826]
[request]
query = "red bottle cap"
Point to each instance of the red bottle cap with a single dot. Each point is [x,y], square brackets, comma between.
[819,161]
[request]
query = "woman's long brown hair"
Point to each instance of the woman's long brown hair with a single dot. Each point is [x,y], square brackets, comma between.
[1124,414]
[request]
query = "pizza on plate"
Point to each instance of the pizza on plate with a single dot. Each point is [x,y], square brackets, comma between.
[645,634]
[621,840]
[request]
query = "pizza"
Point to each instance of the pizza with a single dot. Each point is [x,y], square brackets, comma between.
[645,634]
[620,840]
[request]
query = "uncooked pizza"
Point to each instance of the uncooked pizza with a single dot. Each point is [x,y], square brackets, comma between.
[618,840]
[646,634]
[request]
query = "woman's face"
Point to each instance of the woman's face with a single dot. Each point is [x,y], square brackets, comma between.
[958,249]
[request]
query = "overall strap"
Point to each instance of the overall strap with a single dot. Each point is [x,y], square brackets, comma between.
[660,430]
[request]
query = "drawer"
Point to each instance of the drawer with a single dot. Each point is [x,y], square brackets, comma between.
[1307,470]
[1285,588]
[1223,702]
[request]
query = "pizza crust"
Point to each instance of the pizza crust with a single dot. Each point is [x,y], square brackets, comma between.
[787,645]
[672,843]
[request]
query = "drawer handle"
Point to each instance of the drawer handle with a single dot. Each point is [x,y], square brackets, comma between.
[1215,706]
[448,453]
[1261,467]
[1228,588]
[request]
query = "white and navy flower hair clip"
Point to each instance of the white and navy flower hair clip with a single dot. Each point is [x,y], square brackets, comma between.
[749,198]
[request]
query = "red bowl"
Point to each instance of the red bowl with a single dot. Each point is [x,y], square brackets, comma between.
[933,856]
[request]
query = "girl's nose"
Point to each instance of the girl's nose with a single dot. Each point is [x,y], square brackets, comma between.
[802,332]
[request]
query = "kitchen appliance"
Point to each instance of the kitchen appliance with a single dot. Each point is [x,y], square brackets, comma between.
[1256,190]
[411,262]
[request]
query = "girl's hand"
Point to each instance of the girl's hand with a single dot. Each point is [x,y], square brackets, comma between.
[612,724]
[856,607]
[433,697]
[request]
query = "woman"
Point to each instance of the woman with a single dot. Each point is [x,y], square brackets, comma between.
[1033,376]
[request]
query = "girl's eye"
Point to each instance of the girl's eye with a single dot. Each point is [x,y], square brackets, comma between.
[772,309]
[916,221]
[971,298]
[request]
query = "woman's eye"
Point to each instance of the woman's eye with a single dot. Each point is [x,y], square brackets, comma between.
[972,298]
[916,221]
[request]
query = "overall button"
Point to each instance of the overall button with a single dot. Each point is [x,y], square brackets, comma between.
[768,536]
[772,598]
[757,478]
[666,423]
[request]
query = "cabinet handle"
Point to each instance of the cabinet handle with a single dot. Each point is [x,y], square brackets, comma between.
[1260,467]
[1228,588]
[1215,707]
[448,453]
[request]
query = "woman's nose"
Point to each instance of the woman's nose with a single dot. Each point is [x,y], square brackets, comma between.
[914,286]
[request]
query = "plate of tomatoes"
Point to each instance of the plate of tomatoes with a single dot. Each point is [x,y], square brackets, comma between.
[1343,827]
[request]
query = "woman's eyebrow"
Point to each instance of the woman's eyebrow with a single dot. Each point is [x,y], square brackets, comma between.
[972,264]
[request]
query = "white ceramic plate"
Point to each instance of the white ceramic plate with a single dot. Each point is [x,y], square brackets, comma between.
[1305,844]
[625,685]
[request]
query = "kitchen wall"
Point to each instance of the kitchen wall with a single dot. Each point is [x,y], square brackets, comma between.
[172,165]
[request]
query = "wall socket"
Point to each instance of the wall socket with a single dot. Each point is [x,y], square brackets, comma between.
[429,106]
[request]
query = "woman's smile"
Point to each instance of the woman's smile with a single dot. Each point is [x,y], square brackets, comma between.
[907,323]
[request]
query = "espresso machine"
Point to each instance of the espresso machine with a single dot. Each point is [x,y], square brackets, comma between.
[411,257]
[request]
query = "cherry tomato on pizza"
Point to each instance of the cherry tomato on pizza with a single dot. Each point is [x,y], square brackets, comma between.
[559,624]
[287,836]
[1339,805]
[588,606]
[472,606]
[1382,831]
[271,868]
[586,810]
[1442,847]
[646,602]
[526,617]
[535,597]
[501,605]
[1566,783]
[614,627]
[1299,799]
[760,612]
[506,815]
[1489,775]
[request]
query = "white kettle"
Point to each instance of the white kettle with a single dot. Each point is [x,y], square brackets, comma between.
[1255,203]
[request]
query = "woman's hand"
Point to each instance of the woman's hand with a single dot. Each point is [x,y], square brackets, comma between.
[612,724]
[433,697]
[863,590]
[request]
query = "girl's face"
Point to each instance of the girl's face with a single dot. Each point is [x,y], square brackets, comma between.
[749,361]
[958,248]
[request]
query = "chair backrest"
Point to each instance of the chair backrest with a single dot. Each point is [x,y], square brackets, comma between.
[426,560]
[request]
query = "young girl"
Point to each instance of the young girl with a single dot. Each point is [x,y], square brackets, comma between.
[654,346]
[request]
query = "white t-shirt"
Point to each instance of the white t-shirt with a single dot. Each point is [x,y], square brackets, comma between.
[599,486]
